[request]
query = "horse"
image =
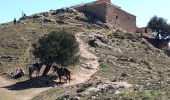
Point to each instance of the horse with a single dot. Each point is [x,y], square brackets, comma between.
[61,71]
[34,67]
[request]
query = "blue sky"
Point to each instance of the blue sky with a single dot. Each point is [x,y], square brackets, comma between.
[143,9]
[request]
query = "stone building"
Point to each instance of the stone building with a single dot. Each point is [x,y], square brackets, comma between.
[144,30]
[109,13]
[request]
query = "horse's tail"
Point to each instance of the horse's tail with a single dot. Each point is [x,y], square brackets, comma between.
[69,76]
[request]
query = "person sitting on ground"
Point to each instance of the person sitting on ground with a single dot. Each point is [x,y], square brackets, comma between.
[17,73]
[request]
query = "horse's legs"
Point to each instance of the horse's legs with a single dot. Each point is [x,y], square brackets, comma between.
[60,78]
[54,72]
[30,73]
[67,77]
[37,74]
[54,69]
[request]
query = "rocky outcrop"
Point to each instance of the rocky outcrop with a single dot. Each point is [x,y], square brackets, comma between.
[117,87]
[68,97]
[88,89]
[48,20]
[62,10]
[98,40]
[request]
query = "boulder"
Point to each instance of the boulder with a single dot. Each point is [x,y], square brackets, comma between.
[63,10]
[68,97]
[88,66]
[82,18]
[36,16]
[116,87]
[70,10]
[60,22]
[48,20]
[101,38]
[25,17]
[104,25]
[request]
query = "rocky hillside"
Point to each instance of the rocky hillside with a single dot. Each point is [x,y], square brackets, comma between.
[130,67]
[16,40]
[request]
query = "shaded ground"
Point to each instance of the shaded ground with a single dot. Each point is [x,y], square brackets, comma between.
[24,90]
[155,43]
[37,82]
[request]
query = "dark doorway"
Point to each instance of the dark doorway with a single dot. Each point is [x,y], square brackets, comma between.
[146,30]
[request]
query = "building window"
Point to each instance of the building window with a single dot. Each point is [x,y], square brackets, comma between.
[128,17]
[116,17]
[146,31]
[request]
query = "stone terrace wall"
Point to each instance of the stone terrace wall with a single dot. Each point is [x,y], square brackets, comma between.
[120,19]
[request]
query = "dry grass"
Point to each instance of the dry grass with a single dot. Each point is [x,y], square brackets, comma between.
[137,64]
[132,60]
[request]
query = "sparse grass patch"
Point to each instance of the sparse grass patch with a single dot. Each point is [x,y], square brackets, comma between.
[53,93]
[144,95]
[83,87]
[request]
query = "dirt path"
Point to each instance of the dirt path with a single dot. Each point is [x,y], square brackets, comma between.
[4,82]
[84,74]
[80,76]
[25,94]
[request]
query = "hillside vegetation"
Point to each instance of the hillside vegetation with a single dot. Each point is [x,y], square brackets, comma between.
[123,57]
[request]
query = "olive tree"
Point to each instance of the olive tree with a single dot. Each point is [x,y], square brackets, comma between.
[60,47]
[159,25]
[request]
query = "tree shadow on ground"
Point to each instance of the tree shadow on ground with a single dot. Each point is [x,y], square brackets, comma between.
[167,52]
[152,41]
[155,43]
[37,82]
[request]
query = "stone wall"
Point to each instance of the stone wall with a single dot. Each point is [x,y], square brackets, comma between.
[120,19]
[96,9]
[144,30]
[112,14]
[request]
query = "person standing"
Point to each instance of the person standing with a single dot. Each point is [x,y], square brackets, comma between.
[15,21]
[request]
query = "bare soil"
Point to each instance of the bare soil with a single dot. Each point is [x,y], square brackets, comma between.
[17,91]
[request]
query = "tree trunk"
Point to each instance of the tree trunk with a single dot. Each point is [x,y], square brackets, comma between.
[47,69]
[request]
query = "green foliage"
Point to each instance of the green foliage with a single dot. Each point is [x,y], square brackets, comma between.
[58,46]
[159,25]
